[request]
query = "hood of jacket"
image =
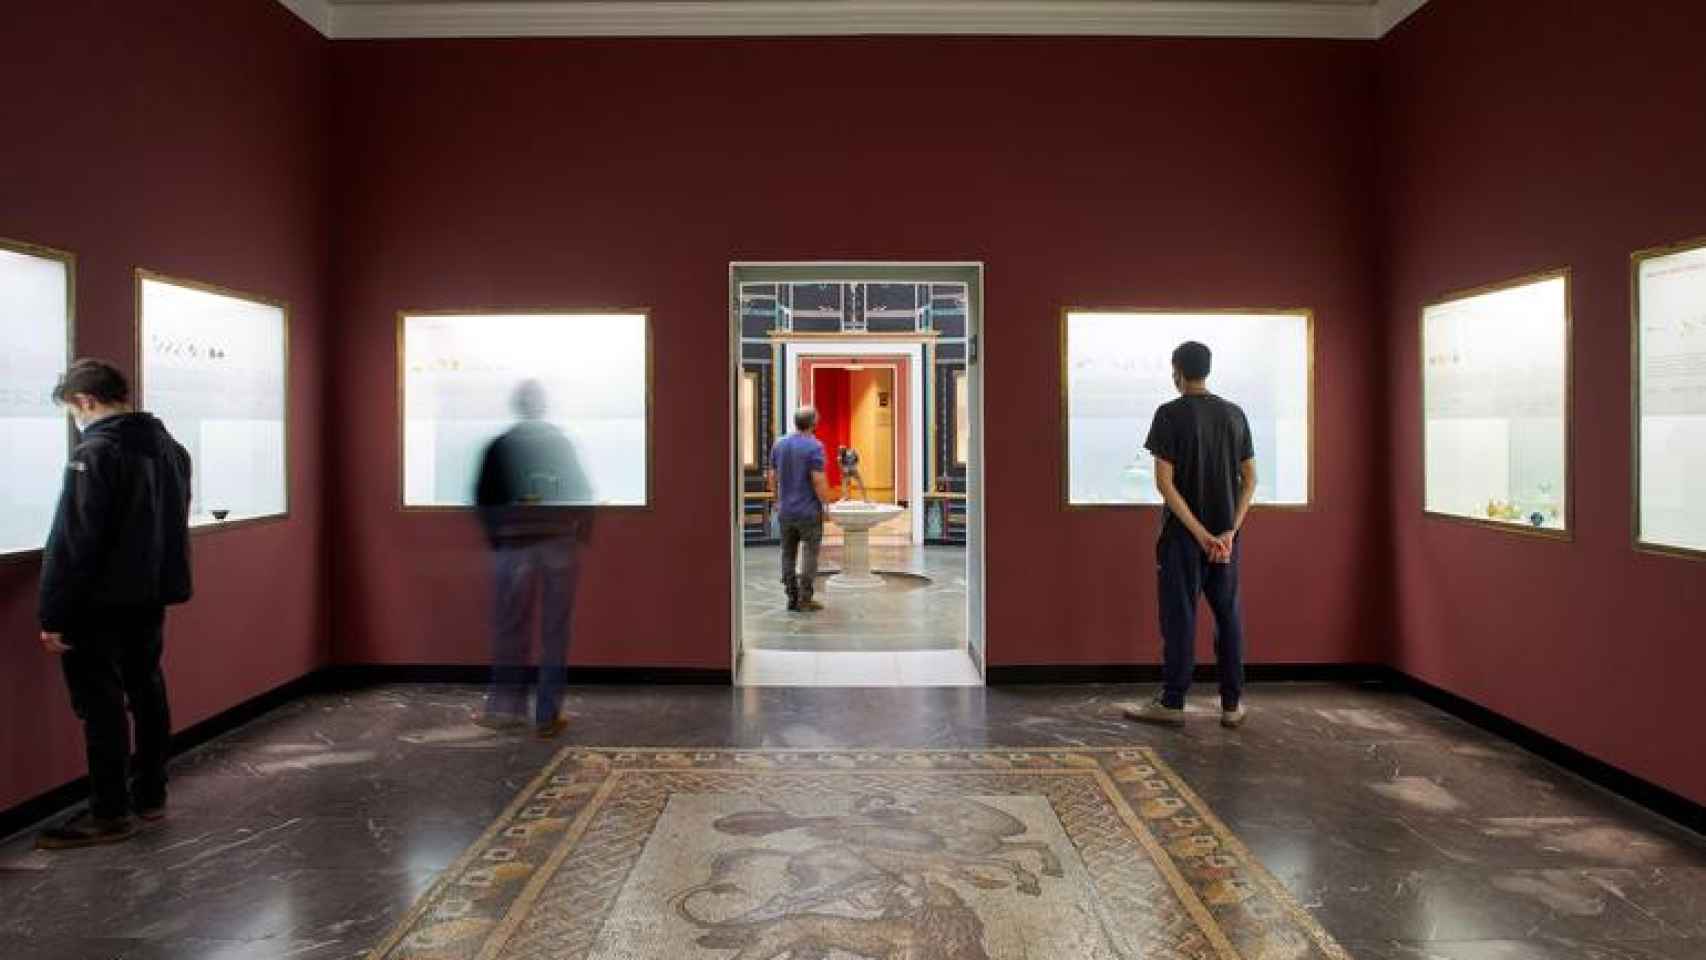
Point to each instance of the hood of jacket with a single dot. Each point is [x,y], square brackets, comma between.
[137,434]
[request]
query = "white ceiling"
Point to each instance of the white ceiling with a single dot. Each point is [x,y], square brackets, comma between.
[1342,19]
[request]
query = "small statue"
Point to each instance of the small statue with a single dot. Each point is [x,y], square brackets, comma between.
[848,458]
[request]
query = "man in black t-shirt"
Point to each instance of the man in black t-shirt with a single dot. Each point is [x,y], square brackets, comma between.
[1205,468]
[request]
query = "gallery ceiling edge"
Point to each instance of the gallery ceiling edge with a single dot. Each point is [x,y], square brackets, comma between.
[1327,19]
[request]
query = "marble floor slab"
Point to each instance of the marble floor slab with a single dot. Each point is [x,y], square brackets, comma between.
[926,611]
[1403,832]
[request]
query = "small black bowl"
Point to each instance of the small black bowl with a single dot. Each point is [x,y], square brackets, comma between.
[220,514]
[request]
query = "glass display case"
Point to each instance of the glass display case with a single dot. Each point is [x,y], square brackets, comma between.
[460,373]
[1670,398]
[1118,370]
[36,296]
[214,365]
[1496,386]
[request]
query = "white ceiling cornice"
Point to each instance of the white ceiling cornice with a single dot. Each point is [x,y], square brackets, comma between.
[761,18]
[318,14]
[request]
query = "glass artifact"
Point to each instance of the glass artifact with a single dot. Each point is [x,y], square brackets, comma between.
[460,373]
[1495,401]
[35,326]
[213,368]
[1118,371]
[1671,396]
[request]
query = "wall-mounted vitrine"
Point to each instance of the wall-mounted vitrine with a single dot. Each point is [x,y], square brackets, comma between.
[1670,399]
[37,298]
[1496,405]
[214,368]
[459,376]
[1117,370]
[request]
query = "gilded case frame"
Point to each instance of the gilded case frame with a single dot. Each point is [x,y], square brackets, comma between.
[140,387]
[1636,260]
[69,261]
[1568,533]
[402,317]
[1308,315]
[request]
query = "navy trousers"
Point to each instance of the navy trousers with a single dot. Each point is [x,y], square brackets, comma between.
[1185,574]
[542,575]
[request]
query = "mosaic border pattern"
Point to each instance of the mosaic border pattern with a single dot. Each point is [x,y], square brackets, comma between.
[1221,902]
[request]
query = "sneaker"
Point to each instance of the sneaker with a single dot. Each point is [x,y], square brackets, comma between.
[809,606]
[86,830]
[551,728]
[1234,718]
[153,812]
[1154,712]
[501,722]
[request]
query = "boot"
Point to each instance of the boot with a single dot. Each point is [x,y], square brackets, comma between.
[806,603]
[791,583]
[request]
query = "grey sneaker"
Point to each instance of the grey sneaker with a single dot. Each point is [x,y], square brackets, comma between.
[1154,712]
[1234,718]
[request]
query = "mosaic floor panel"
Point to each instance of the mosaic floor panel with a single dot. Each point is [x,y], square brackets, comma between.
[633,854]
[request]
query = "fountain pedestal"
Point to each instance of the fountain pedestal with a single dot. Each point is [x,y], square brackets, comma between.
[856,518]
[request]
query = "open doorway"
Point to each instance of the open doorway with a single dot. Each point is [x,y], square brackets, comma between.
[886,354]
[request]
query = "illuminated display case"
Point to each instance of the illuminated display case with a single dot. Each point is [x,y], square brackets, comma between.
[1496,405]
[1670,398]
[214,365]
[37,287]
[459,374]
[1117,370]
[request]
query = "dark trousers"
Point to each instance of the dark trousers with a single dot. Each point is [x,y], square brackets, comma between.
[114,662]
[795,535]
[543,574]
[1186,573]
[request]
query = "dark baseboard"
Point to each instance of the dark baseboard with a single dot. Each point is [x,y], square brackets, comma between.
[45,805]
[1643,792]
[357,676]
[1028,674]
[1638,790]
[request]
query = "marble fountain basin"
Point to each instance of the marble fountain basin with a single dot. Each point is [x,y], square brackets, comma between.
[859,516]
[856,518]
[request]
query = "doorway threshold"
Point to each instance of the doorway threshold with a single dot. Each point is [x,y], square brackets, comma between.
[907,668]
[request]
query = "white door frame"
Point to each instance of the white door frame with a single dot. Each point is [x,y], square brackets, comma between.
[914,406]
[957,271]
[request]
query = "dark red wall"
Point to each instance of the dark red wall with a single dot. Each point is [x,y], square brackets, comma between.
[591,173]
[188,137]
[1519,139]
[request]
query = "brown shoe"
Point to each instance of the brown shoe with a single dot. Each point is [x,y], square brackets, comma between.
[500,722]
[86,830]
[550,729]
[810,606]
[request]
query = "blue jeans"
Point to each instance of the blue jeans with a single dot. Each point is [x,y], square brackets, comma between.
[1186,573]
[548,570]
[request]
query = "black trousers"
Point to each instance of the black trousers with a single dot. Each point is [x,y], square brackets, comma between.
[114,663]
[1185,574]
[795,535]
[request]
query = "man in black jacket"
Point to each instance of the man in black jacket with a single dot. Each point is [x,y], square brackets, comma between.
[117,556]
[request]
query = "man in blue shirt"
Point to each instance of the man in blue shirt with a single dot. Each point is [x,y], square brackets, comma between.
[796,479]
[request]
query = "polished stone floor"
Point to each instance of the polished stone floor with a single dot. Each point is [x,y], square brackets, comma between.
[922,612]
[1407,834]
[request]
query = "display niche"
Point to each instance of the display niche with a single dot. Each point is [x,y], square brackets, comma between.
[460,375]
[1670,398]
[35,334]
[214,365]
[1496,399]
[1118,370]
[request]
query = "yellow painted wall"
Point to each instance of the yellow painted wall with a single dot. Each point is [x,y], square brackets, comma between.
[872,430]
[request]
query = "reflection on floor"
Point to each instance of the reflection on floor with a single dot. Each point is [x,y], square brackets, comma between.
[1407,834]
[906,668]
[906,614]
